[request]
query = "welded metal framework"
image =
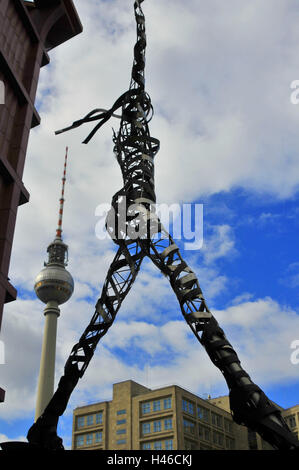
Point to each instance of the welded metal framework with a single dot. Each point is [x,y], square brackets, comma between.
[142,235]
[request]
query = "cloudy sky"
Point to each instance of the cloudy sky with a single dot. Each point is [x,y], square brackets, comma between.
[219,75]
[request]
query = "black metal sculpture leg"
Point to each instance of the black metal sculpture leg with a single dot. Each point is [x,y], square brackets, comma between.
[248,403]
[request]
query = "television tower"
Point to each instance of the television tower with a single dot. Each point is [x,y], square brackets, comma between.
[54,285]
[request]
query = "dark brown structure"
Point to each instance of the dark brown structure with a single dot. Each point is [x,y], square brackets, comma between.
[28,31]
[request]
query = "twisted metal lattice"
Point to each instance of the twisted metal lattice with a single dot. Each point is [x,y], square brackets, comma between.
[135,150]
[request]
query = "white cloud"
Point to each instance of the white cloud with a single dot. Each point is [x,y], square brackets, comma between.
[245,296]
[223,112]
[220,244]
[4,438]
[261,331]
[291,276]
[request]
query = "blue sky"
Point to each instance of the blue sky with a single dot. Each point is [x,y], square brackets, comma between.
[219,78]
[266,245]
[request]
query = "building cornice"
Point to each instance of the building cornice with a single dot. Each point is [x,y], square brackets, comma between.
[57,21]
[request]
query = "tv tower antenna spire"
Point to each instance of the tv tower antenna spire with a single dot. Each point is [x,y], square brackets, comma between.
[61,200]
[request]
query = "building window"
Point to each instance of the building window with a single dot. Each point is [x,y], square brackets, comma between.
[156,405]
[228,425]
[230,443]
[146,446]
[203,414]
[157,426]
[190,445]
[168,423]
[187,406]
[121,441]
[121,431]
[146,408]
[121,421]
[121,412]
[189,426]
[218,438]
[167,403]
[146,428]
[217,420]
[184,405]
[206,434]
[80,422]
[89,439]
[80,441]
[99,418]
[158,445]
[89,420]
[292,421]
[98,436]
[169,444]
[252,440]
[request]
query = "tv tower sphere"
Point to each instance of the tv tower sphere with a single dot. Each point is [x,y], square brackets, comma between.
[54,283]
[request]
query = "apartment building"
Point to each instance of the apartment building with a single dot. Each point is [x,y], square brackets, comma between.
[138,418]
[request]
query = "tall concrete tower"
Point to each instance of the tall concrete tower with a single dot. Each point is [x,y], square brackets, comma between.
[54,285]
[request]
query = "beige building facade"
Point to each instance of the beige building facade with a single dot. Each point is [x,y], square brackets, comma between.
[291,415]
[168,418]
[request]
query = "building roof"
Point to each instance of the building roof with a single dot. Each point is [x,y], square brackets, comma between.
[291,409]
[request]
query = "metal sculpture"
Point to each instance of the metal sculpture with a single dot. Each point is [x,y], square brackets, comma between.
[135,150]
